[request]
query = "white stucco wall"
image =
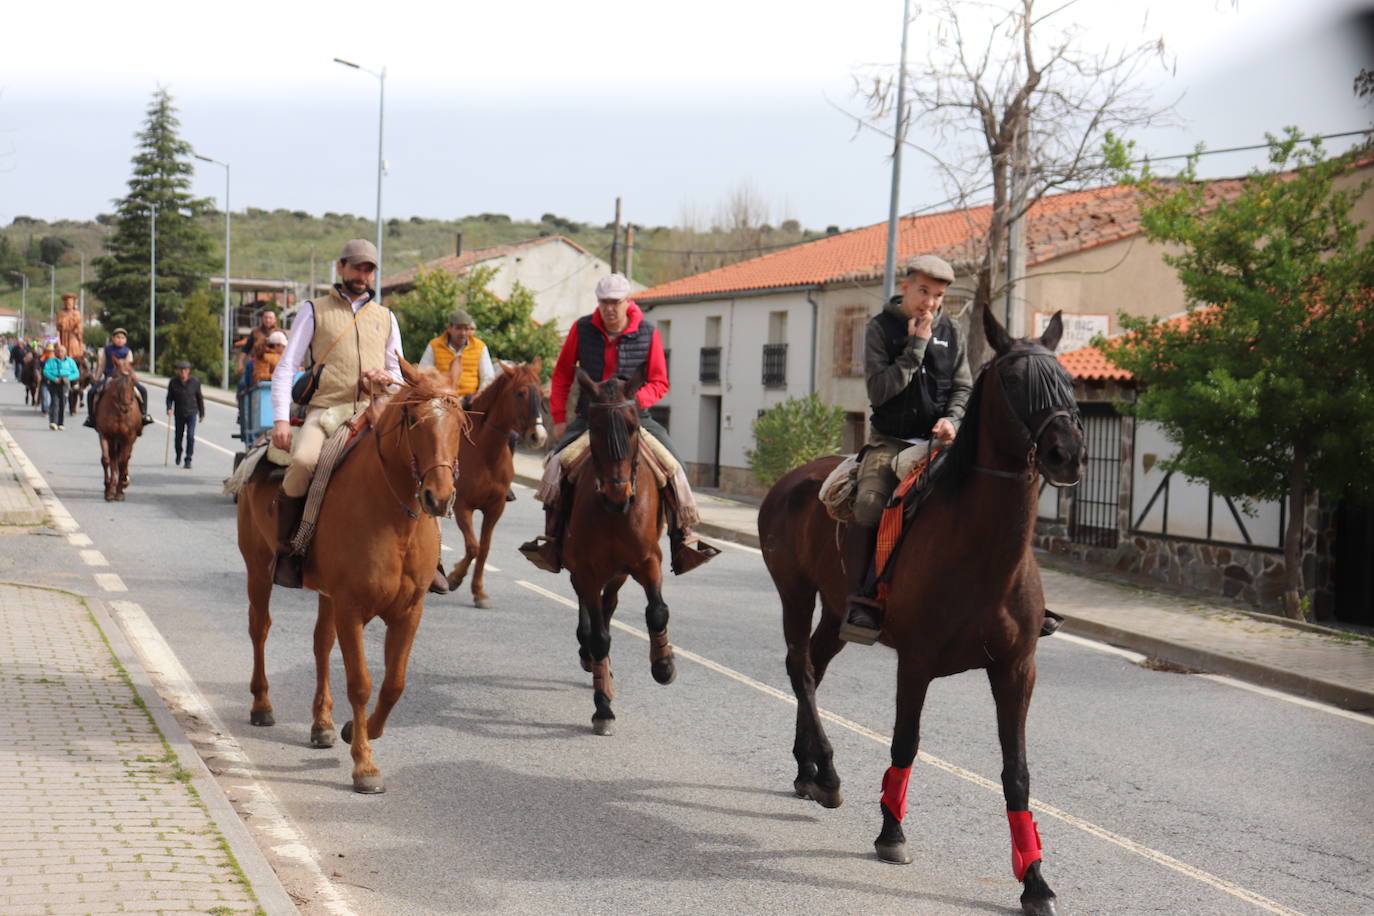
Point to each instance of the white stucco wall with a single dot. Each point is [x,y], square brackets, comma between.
[562,279]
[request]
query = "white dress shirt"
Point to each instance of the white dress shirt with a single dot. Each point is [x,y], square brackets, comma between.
[302,330]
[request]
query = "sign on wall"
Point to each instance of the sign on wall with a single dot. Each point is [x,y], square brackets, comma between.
[1079,328]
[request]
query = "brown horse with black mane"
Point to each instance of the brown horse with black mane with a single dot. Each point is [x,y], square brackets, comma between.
[373,555]
[614,526]
[119,423]
[512,404]
[964,587]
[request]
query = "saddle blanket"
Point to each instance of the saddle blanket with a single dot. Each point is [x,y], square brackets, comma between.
[573,458]
[841,485]
[330,422]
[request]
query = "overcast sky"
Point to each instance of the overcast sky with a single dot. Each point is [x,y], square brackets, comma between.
[537,106]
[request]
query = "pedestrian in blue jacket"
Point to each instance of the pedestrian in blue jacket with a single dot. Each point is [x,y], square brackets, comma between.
[58,372]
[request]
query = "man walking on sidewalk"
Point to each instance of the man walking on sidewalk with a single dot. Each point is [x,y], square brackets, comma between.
[185,404]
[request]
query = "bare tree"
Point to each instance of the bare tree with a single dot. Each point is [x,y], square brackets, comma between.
[1011,109]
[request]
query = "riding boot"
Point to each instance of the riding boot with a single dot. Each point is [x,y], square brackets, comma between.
[289,569]
[91,401]
[863,613]
[686,551]
[1051,624]
[546,551]
[440,584]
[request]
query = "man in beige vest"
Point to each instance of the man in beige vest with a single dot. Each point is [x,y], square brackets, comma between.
[358,341]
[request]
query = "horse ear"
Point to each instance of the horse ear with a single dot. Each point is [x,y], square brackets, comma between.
[996,334]
[1053,332]
[412,377]
[584,381]
[538,365]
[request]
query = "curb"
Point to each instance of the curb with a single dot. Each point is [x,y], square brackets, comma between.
[33,513]
[1207,661]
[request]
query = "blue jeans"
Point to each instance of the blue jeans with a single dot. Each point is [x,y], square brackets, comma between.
[185,425]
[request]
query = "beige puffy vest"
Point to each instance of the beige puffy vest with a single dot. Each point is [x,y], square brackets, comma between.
[361,347]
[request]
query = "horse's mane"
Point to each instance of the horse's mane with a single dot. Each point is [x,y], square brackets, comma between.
[504,381]
[618,428]
[953,472]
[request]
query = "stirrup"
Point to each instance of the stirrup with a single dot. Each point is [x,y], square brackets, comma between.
[543,552]
[691,553]
[288,570]
[1052,623]
[862,620]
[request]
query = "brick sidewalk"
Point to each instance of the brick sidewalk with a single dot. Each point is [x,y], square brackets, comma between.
[98,815]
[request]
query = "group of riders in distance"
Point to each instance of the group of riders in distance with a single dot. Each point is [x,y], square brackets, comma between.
[366,453]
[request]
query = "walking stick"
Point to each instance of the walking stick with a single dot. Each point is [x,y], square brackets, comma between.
[167,450]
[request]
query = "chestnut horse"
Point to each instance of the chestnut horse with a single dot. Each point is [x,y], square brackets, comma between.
[373,555]
[964,587]
[512,403]
[118,422]
[613,532]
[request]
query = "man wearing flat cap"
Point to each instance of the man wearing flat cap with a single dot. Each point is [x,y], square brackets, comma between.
[459,342]
[616,339]
[186,405]
[358,341]
[918,380]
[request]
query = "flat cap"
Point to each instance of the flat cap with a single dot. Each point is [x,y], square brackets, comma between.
[119,331]
[459,317]
[612,286]
[358,251]
[934,267]
[183,364]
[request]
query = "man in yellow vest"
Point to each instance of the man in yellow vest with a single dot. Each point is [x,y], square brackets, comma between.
[459,342]
[358,341]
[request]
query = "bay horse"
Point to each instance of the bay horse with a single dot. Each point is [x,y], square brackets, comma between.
[118,422]
[964,587]
[512,403]
[614,525]
[373,554]
[76,392]
[31,377]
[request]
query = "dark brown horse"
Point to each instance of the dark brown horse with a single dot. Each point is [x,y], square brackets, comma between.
[76,392]
[31,376]
[118,422]
[613,532]
[373,555]
[511,404]
[964,587]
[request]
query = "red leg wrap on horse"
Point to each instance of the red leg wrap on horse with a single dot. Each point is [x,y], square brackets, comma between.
[1025,842]
[894,790]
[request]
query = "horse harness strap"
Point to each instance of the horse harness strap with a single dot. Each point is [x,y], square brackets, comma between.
[403,424]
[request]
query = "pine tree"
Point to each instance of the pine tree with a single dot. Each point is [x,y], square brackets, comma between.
[162,176]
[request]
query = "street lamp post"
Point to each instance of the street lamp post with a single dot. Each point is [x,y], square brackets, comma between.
[23,301]
[228,318]
[381,163]
[81,286]
[152,285]
[890,264]
[52,292]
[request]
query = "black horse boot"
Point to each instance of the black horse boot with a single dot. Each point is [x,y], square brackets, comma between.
[91,400]
[1051,623]
[289,569]
[863,613]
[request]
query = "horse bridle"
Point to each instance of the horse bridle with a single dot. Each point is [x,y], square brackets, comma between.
[633,479]
[1032,438]
[404,425]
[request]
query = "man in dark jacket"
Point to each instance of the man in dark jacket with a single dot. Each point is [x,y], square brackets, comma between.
[184,402]
[917,375]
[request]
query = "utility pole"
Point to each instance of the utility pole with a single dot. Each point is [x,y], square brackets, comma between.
[629,252]
[615,240]
[890,267]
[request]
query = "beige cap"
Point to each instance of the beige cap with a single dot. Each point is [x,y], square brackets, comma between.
[612,286]
[358,251]
[932,266]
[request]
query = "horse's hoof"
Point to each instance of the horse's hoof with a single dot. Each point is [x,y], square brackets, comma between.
[321,737]
[826,798]
[603,727]
[372,784]
[896,853]
[119,497]
[346,733]
[261,717]
[1039,907]
[586,662]
[664,671]
[109,498]
[482,603]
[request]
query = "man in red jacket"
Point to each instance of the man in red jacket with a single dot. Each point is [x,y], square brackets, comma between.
[616,339]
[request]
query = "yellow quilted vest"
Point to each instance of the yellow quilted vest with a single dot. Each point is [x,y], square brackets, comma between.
[470,359]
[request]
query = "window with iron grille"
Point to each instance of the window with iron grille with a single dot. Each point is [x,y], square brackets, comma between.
[710,364]
[850,323]
[1093,518]
[775,365]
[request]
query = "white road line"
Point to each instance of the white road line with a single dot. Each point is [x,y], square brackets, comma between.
[110,582]
[205,442]
[79,540]
[212,739]
[94,558]
[1153,855]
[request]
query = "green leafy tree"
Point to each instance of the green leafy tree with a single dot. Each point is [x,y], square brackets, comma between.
[796,431]
[195,338]
[1269,391]
[504,325]
[185,259]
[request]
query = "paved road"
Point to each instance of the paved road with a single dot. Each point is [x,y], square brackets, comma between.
[1164,792]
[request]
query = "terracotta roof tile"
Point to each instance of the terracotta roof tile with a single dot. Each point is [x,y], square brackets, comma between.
[1089,364]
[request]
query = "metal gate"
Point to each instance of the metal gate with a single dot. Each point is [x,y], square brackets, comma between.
[1093,516]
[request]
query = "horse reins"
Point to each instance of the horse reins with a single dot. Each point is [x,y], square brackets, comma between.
[415,472]
[633,479]
[1032,439]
